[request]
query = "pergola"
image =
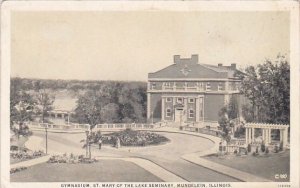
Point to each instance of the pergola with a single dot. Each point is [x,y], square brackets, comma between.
[266,132]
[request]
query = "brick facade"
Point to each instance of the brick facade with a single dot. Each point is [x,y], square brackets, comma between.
[190,92]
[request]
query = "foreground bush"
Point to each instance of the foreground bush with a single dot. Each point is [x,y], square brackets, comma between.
[25,154]
[18,169]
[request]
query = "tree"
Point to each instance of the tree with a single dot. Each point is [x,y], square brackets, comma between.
[110,114]
[225,124]
[89,107]
[45,102]
[267,86]
[23,110]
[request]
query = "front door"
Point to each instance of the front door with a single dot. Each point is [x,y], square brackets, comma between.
[178,115]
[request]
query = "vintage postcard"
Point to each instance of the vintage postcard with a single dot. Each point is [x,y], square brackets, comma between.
[147,94]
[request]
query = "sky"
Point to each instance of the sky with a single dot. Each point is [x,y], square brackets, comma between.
[112,45]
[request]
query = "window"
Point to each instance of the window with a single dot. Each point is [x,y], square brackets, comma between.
[169,99]
[167,84]
[220,87]
[168,112]
[179,100]
[191,100]
[191,113]
[153,85]
[208,87]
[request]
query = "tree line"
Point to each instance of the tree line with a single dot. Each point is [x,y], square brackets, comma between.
[100,101]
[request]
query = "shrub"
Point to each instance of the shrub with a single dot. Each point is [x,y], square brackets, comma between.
[256,150]
[249,148]
[18,169]
[134,138]
[235,151]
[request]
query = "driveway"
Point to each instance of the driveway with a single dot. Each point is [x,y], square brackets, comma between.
[168,156]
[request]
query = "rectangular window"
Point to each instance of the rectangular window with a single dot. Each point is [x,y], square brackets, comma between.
[153,85]
[208,87]
[169,99]
[179,100]
[220,87]
[167,84]
[191,100]
[168,112]
[191,113]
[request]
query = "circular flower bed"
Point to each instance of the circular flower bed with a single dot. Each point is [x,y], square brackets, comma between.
[130,137]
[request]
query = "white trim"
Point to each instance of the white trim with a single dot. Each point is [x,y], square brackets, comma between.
[196,92]
[194,79]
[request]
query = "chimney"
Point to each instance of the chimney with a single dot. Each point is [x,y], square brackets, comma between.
[194,58]
[176,59]
[233,65]
[220,65]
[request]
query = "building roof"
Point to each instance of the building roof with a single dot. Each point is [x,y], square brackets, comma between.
[190,68]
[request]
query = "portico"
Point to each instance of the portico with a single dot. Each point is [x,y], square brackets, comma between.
[266,132]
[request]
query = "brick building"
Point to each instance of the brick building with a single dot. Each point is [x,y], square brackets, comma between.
[188,91]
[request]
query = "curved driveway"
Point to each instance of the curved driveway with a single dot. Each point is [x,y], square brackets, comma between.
[167,156]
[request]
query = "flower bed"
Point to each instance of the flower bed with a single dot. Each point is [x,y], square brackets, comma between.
[14,170]
[23,154]
[72,159]
[130,137]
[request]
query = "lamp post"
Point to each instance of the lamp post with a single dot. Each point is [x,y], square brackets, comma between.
[87,143]
[46,130]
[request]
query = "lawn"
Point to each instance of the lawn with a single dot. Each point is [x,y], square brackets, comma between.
[102,171]
[263,166]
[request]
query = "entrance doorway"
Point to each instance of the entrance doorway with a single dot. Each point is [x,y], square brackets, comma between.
[178,115]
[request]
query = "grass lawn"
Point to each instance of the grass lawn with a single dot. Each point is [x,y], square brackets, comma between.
[263,166]
[102,171]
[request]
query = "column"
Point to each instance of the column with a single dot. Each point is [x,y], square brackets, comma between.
[186,109]
[252,135]
[162,108]
[197,113]
[246,136]
[281,135]
[263,134]
[269,136]
[173,110]
[148,106]
[249,135]
[285,137]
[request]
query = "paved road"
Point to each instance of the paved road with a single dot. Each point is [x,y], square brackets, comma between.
[167,156]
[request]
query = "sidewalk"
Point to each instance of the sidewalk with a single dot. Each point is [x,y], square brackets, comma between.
[151,167]
[31,162]
[240,175]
